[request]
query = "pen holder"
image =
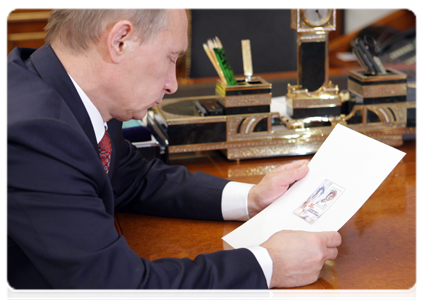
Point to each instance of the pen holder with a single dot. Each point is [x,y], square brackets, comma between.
[379,88]
[247,97]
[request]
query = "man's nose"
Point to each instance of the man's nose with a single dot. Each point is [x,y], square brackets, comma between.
[171,84]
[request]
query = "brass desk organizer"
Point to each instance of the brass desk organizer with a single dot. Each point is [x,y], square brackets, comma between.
[380,88]
[381,108]
[248,129]
[247,97]
[301,103]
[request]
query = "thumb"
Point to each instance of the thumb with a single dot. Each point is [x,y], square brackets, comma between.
[333,238]
[290,173]
[293,165]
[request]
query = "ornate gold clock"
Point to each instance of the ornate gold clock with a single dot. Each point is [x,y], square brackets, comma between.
[317,17]
[314,95]
[309,19]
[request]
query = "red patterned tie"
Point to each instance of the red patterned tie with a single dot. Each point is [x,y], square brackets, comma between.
[105,151]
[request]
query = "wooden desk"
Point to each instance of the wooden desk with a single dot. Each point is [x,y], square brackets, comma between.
[379,241]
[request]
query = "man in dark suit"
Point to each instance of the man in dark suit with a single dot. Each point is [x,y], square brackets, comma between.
[97,69]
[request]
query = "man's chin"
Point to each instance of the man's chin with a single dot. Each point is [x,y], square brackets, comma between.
[139,115]
[136,116]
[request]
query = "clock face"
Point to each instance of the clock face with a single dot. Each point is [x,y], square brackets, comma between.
[316,17]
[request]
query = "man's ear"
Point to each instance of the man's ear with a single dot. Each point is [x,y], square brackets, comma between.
[119,38]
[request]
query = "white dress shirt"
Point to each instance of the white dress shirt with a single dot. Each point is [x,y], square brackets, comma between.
[234,195]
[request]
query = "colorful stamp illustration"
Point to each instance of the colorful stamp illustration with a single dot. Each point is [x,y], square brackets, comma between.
[319,201]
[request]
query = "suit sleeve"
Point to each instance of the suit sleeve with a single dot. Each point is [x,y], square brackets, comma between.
[60,216]
[155,188]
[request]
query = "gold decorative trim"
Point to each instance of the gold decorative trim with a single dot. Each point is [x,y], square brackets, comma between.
[197,120]
[246,123]
[198,147]
[251,171]
[243,85]
[269,151]
[411,104]
[244,99]
[247,144]
[312,103]
[377,91]
[397,112]
[366,77]
[248,100]
[328,91]
[312,37]
[394,114]
[326,96]
[355,87]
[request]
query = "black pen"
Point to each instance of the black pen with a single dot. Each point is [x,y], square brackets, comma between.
[368,56]
[365,60]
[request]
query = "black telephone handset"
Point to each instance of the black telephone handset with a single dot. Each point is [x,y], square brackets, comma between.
[409,36]
[390,45]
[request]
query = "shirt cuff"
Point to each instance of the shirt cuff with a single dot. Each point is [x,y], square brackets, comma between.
[264,260]
[235,201]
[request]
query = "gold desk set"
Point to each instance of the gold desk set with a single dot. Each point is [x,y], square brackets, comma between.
[238,120]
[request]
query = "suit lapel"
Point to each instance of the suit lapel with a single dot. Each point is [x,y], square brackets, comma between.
[52,71]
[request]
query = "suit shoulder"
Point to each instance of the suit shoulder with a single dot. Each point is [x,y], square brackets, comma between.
[28,96]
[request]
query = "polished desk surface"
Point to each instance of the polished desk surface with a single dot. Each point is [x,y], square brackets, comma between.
[379,242]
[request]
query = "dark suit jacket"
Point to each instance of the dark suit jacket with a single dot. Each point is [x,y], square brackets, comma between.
[61,203]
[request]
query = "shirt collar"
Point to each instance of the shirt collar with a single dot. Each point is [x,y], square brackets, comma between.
[96,120]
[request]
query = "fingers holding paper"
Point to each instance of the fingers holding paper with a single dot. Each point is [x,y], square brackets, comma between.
[274,184]
[298,256]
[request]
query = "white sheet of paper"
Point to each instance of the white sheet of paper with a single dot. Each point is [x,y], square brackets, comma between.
[343,174]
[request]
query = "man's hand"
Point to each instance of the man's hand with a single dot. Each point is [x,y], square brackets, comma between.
[298,256]
[274,185]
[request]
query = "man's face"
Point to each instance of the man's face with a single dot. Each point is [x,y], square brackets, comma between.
[149,71]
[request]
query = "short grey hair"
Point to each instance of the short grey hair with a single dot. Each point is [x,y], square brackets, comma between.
[76,29]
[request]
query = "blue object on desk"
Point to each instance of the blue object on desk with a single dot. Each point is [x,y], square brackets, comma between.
[134,131]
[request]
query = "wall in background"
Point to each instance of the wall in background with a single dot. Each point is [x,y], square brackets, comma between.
[356,19]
